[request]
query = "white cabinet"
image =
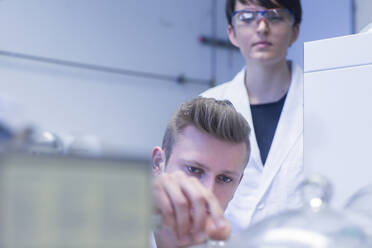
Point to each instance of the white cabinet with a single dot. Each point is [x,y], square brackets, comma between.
[338,112]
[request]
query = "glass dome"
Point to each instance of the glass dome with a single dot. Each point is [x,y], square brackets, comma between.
[360,204]
[315,225]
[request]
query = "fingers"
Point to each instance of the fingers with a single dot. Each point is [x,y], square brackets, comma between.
[174,187]
[221,232]
[173,205]
[163,206]
[209,220]
[214,209]
[195,193]
[189,209]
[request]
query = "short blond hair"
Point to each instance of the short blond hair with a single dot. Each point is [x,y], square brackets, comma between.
[217,118]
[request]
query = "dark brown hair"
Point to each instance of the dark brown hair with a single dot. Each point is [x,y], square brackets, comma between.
[294,6]
[217,118]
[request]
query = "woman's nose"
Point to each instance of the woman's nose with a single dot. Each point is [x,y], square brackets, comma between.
[262,25]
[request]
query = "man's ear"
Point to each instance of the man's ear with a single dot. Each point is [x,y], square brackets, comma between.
[158,160]
[232,36]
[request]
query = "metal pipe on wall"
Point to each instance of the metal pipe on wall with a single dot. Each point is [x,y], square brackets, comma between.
[181,79]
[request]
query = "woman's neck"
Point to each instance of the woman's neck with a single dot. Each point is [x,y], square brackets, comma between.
[267,83]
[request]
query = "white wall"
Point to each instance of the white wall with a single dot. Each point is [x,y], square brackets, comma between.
[124,111]
[363,15]
[127,112]
[321,20]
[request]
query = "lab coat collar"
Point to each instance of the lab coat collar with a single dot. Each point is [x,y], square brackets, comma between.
[241,98]
[289,128]
[288,131]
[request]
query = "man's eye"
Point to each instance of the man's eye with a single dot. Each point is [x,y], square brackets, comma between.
[194,171]
[224,179]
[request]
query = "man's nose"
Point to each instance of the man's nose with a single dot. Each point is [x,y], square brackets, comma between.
[209,183]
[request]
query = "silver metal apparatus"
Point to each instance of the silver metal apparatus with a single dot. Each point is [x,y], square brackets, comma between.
[315,225]
[36,141]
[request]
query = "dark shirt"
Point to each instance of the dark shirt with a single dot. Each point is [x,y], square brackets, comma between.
[265,120]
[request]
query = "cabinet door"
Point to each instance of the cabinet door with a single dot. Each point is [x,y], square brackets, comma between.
[338,127]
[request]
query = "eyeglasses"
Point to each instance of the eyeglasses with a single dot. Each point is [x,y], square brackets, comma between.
[272,16]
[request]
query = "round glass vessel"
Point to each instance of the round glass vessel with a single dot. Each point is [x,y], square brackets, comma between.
[315,225]
[360,204]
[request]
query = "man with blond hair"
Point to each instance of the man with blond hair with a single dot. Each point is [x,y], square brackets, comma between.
[197,170]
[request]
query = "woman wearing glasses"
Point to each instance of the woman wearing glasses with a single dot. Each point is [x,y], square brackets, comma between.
[268,91]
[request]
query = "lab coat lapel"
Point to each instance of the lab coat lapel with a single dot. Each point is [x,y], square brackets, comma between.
[290,127]
[241,102]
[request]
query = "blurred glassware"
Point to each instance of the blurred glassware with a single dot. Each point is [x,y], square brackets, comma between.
[86,144]
[360,203]
[315,225]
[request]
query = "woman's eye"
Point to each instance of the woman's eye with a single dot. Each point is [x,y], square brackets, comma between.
[246,17]
[275,18]
[224,179]
[194,171]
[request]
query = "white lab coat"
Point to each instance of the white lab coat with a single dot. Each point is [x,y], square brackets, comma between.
[269,189]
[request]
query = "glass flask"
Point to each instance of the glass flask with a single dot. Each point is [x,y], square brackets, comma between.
[360,203]
[315,225]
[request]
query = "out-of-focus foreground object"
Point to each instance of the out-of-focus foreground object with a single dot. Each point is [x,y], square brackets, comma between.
[361,203]
[73,201]
[315,225]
